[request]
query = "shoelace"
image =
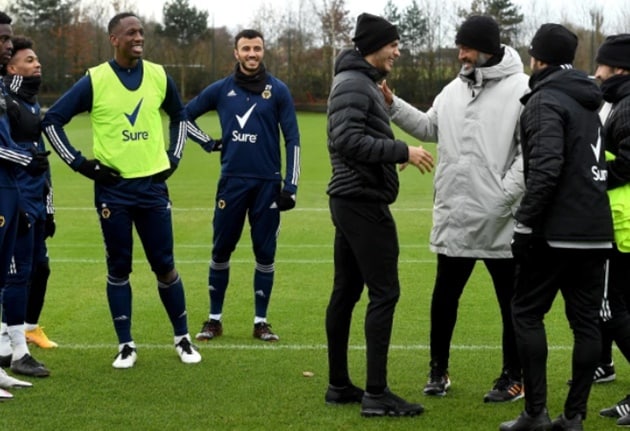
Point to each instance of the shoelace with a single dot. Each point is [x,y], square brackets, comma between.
[185,346]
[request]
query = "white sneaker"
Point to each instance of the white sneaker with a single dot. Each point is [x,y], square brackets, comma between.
[126,358]
[7,382]
[4,395]
[187,352]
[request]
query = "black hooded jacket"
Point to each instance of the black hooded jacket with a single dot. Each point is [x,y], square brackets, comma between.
[563,156]
[361,144]
[617,129]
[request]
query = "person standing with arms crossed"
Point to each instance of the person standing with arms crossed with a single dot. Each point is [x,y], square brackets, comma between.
[253,107]
[363,154]
[124,97]
[478,184]
[563,231]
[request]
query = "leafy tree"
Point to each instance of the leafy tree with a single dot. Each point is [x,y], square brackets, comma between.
[184,26]
[413,28]
[506,13]
[183,22]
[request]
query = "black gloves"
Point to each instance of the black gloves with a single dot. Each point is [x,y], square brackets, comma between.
[49,226]
[521,245]
[24,223]
[285,201]
[94,170]
[218,145]
[38,164]
[160,177]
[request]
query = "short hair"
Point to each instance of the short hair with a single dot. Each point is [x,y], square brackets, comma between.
[117,18]
[5,19]
[248,34]
[20,43]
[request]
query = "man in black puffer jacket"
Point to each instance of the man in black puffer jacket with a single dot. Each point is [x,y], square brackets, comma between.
[364,154]
[564,227]
[613,70]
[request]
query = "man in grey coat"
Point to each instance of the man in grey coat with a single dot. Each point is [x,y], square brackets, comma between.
[478,184]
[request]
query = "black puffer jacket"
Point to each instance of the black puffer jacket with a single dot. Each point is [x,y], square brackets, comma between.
[617,129]
[563,158]
[363,151]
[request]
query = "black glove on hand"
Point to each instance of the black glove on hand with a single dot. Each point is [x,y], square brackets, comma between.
[23,223]
[285,201]
[94,170]
[218,145]
[38,165]
[49,226]
[521,245]
[161,177]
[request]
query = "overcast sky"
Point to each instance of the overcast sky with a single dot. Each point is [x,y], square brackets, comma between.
[239,13]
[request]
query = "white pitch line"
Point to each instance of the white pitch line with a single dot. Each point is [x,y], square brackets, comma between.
[208,210]
[297,347]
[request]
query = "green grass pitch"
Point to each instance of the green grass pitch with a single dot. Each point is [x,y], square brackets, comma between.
[242,383]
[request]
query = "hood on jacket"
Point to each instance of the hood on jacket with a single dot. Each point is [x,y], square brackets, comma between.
[510,64]
[616,88]
[571,82]
[351,59]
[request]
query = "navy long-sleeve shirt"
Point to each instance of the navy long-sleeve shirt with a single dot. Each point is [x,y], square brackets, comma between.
[78,99]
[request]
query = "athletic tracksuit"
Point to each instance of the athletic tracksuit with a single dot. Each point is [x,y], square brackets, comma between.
[30,257]
[251,177]
[124,106]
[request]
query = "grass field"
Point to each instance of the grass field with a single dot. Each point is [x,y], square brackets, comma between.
[243,384]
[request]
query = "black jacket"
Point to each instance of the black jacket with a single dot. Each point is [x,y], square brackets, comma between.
[361,144]
[617,129]
[563,157]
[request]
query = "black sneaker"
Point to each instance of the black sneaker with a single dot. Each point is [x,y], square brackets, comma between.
[438,383]
[525,422]
[505,389]
[211,329]
[561,423]
[343,395]
[28,366]
[622,408]
[388,404]
[604,373]
[624,421]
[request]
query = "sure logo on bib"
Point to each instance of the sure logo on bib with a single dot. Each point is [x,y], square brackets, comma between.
[128,135]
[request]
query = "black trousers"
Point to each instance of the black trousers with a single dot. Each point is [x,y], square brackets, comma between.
[366,253]
[579,276]
[614,313]
[452,275]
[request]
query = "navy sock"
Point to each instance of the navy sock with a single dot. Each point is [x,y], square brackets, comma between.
[119,298]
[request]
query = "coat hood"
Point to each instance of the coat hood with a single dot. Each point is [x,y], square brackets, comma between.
[571,82]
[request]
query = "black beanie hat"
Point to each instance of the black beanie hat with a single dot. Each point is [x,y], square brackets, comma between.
[615,51]
[554,44]
[480,32]
[372,33]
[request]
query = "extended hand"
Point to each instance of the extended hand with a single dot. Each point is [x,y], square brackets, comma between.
[420,158]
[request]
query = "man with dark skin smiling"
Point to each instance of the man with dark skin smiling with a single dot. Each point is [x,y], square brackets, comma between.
[124,97]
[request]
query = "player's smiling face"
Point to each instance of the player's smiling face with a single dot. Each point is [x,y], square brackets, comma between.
[128,41]
[249,53]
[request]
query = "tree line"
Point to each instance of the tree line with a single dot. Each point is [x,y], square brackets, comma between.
[301,42]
